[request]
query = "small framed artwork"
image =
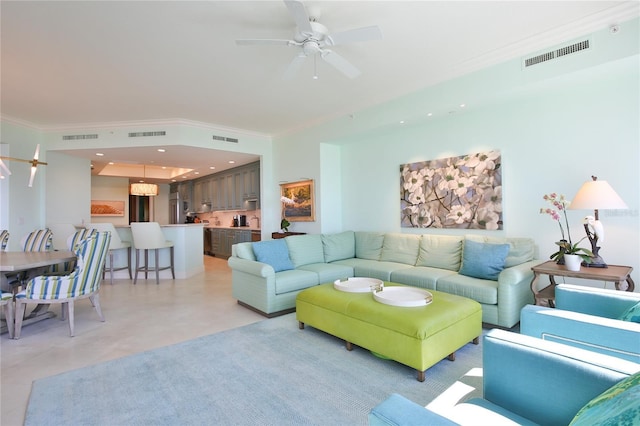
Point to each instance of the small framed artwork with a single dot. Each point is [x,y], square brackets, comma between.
[298,204]
[107,208]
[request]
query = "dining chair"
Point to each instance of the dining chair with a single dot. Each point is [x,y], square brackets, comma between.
[71,242]
[38,240]
[149,236]
[61,233]
[4,239]
[8,307]
[83,282]
[116,244]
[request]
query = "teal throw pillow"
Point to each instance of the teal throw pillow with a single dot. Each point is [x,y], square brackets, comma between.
[485,261]
[632,314]
[618,405]
[274,253]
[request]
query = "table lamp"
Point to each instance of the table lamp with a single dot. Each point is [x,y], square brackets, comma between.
[596,194]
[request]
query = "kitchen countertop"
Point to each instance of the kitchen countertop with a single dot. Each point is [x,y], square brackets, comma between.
[240,228]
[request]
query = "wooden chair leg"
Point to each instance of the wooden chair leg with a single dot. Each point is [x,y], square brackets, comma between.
[20,308]
[95,301]
[70,308]
[173,272]
[8,314]
[146,264]
[157,265]
[135,280]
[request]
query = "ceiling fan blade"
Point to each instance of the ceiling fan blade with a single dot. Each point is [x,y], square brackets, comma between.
[33,175]
[264,41]
[294,66]
[36,154]
[300,15]
[355,35]
[340,63]
[4,167]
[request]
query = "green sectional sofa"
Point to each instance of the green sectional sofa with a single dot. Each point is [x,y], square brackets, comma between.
[496,272]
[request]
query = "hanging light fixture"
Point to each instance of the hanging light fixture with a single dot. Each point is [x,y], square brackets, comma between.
[143,189]
[34,165]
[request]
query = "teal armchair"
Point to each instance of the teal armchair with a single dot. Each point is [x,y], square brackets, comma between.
[588,318]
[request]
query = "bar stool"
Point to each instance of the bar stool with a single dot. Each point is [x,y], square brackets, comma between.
[116,244]
[148,236]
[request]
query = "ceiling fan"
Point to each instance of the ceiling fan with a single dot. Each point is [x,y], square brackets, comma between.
[314,39]
[34,165]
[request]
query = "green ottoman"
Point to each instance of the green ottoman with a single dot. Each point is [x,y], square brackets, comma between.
[415,336]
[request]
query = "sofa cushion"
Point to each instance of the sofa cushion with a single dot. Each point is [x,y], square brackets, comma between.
[274,253]
[521,250]
[483,291]
[420,276]
[632,314]
[440,251]
[484,261]
[369,245]
[244,251]
[328,272]
[295,279]
[617,405]
[305,249]
[339,246]
[373,268]
[400,248]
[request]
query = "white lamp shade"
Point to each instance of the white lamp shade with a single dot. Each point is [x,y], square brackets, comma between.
[595,195]
[144,189]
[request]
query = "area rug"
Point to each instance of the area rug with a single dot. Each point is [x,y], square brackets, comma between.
[267,373]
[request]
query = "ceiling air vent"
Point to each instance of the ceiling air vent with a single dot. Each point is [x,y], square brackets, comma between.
[79,137]
[224,139]
[557,53]
[144,134]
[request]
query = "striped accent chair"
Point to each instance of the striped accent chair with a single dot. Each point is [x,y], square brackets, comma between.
[6,302]
[83,282]
[4,239]
[38,240]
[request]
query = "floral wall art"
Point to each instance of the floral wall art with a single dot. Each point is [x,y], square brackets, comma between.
[457,192]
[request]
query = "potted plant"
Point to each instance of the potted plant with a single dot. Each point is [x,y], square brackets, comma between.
[567,249]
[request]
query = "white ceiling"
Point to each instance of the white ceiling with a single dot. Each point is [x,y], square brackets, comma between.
[69,63]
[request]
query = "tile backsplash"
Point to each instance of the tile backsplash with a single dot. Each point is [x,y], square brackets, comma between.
[224,219]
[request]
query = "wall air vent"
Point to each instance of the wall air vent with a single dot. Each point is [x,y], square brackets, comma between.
[79,137]
[145,134]
[557,53]
[224,139]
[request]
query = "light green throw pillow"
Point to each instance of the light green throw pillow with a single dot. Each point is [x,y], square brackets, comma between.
[618,405]
[339,246]
[400,248]
[440,251]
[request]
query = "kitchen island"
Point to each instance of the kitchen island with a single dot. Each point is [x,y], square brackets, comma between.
[187,248]
[221,239]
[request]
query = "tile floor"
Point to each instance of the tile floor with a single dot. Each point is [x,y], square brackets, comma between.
[138,318]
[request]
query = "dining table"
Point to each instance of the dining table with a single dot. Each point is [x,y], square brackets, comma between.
[15,262]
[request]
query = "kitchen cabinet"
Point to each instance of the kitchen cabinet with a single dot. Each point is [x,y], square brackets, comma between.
[235,189]
[222,240]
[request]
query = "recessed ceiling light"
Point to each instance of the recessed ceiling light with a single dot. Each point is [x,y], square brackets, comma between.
[231,162]
[99,154]
[401,121]
[462,105]
[161,150]
[212,167]
[429,114]
[196,173]
[164,168]
[111,163]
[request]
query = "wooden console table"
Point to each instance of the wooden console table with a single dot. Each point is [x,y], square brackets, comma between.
[278,235]
[614,273]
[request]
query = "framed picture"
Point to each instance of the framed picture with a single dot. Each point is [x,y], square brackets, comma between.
[298,204]
[107,208]
[462,192]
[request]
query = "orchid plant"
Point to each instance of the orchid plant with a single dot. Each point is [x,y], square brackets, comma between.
[560,204]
